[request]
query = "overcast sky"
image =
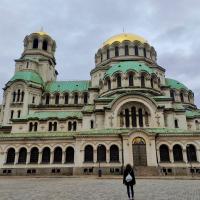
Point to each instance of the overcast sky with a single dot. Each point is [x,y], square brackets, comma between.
[81,26]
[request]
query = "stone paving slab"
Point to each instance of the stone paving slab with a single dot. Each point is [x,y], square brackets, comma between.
[13,188]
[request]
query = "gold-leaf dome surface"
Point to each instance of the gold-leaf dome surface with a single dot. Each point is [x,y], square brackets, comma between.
[124,36]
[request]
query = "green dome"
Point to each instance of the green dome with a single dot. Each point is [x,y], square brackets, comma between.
[128,66]
[173,84]
[29,76]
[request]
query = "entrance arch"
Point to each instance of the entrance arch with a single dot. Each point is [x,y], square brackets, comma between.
[139,152]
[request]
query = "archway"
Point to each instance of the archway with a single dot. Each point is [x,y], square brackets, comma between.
[139,152]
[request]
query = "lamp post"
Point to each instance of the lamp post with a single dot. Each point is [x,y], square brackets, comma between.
[189,157]
[99,157]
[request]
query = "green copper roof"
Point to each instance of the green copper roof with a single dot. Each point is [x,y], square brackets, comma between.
[175,84]
[192,113]
[62,86]
[52,115]
[128,66]
[29,76]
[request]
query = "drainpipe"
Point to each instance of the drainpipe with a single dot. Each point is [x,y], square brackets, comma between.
[122,171]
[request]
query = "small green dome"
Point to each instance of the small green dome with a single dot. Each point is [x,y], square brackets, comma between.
[128,66]
[174,84]
[29,76]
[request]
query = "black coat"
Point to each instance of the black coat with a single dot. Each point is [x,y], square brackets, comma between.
[133,182]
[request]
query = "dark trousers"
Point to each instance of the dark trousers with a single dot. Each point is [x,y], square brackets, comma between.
[130,187]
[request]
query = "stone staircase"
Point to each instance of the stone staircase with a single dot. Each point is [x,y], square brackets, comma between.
[146,171]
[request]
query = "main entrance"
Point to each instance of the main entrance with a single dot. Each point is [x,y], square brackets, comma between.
[139,152]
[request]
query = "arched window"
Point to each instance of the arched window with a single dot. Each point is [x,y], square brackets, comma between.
[46,155]
[22,156]
[127,120]
[69,155]
[69,126]
[142,81]
[22,97]
[66,98]
[126,50]
[109,84]
[57,97]
[30,126]
[35,43]
[35,126]
[91,124]
[14,96]
[34,155]
[144,51]
[50,126]
[182,97]
[146,119]
[108,53]
[136,50]
[119,80]
[164,153]
[18,95]
[74,126]
[178,154]
[10,156]
[134,118]
[140,117]
[176,123]
[57,155]
[55,126]
[114,153]
[130,79]
[191,153]
[18,113]
[116,51]
[101,153]
[197,124]
[152,83]
[76,98]
[85,98]
[44,45]
[47,99]
[172,95]
[88,154]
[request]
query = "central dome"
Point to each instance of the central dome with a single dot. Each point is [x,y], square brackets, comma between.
[124,36]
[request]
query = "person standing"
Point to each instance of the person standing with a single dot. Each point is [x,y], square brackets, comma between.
[129,180]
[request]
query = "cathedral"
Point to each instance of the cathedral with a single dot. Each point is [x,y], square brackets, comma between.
[128,112]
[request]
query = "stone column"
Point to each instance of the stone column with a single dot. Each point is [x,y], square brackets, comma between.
[137,119]
[16,157]
[171,156]
[95,156]
[40,43]
[63,157]
[107,156]
[185,156]
[28,158]
[198,155]
[40,157]
[51,157]
[130,120]
[158,154]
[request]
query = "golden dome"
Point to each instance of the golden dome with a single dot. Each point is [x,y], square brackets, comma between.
[42,33]
[124,36]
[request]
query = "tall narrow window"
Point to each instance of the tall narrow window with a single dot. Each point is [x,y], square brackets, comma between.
[101,153]
[88,154]
[136,50]
[55,126]
[134,118]
[74,126]
[164,153]
[76,98]
[14,96]
[91,124]
[18,113]
[176,123]
[172,95]
[44,45]
[108,53]
[22,156]
[114,153]
[116,51]
[69,126]
[30,126]
[101,57]
[11,114]
[57,99]
[18,95]
[69,155]
[140,117]
[181,97]
[85,98]
[50,126]
[145,53]
[130,79]
[109,84]
[34,155]
[126,50]
[35,43]
[119,80]
[178,153]
[22,97]
[66,98]
[46,154]
[146,119]
[142,81]
[47,99]
[10,156]
[127,120]
[33,100]
[152,85]
[35,126]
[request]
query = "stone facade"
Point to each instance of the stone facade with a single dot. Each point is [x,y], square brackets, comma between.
[127,113]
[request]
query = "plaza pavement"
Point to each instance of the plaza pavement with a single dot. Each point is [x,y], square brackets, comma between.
[68,188]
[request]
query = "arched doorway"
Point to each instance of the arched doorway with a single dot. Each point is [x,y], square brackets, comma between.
[139,152]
